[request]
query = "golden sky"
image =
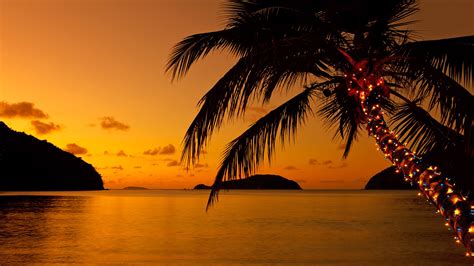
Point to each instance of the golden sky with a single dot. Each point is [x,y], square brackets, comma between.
[88,76]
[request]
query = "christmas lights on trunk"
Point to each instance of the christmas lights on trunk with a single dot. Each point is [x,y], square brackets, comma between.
[367,86]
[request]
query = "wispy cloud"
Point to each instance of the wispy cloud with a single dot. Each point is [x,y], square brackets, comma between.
[339,166]
[21,110]
[121,153]
[199,165]
[253,113]
[166,150]
[119,167]
[75,149]
[331,181]
[42,128]
[316,162]
[172,163]
[110,123]
[290,167]
[328,163]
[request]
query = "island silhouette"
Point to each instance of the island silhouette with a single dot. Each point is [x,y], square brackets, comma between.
[455,164]
[30,164]
[257,182]
[134,188]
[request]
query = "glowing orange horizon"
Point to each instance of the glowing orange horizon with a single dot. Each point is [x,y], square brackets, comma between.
[88,76]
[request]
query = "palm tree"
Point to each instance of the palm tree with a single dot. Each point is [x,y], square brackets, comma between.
[350,57]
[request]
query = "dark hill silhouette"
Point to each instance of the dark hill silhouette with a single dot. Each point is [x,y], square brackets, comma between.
[28,164]
[257,182]
[388,179]
[453,163]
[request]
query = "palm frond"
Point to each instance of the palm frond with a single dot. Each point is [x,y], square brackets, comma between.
[422,132]
[455,103]
[244,154]
[339,111]
[454,56]
[254,77]
[197,46]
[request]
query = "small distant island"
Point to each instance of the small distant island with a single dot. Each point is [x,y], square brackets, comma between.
[30,164]
[257,182]
[134,188]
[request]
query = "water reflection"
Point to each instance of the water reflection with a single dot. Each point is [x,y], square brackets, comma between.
[30,224]
[257,227]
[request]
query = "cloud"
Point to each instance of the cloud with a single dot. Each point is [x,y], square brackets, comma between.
[44,128]
[300,180]
[152,152]
[172,163]
[137,167]
[121,153]
[342,165]
[166,150]
[290,167]
[75,149]
[253,113]
[328,163]
[109,123]
[119,167]
[198,165]
[331,181]
[316,162]
[21,110]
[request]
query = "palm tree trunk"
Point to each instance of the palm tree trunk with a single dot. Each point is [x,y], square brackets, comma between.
[454,207]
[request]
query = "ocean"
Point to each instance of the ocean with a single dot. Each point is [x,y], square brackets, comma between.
[309,227]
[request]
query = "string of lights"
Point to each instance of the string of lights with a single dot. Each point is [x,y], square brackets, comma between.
[368,88]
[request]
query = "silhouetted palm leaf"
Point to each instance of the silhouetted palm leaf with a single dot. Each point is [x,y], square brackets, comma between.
[245,153]
[454,56]
[338,111]
[280,43]
[423,132]
[455,102]
[253,77]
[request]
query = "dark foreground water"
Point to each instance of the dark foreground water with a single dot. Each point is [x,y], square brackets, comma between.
[246,227]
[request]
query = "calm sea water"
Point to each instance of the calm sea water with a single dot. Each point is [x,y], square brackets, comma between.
[246,227]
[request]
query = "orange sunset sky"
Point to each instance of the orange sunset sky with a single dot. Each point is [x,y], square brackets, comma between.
[88,76]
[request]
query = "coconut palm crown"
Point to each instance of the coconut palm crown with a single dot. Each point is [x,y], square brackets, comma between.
[281,44]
